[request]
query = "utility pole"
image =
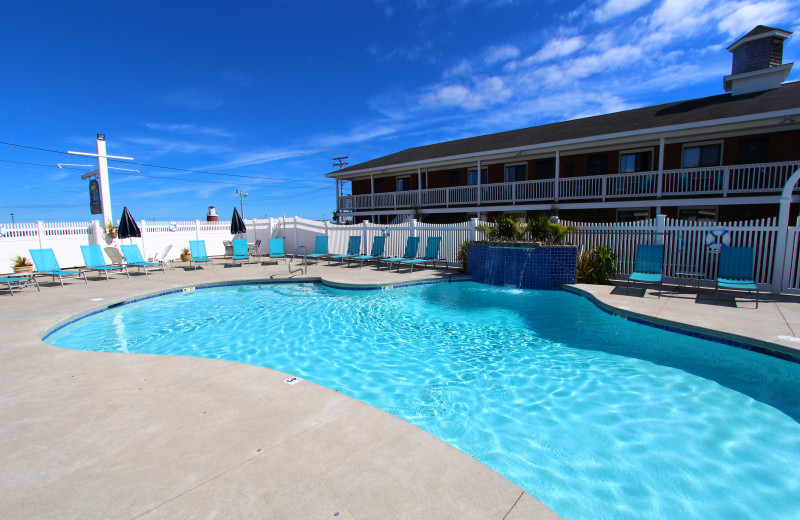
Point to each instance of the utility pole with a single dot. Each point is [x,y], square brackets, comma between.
[241,202]
[340,161]
[102,174]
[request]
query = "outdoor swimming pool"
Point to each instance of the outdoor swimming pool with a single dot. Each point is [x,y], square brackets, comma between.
[595,416]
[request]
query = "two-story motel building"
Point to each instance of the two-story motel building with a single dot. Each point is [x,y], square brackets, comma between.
[718,158]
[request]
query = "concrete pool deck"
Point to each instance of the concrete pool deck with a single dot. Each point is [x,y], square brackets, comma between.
[110,435]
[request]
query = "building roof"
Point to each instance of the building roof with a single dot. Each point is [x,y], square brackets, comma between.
[722,106]
[756,34]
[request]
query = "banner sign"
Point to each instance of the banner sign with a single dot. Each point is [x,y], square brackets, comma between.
[94,197]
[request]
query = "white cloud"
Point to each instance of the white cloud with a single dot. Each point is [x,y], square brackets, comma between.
[485,92]
[556,49]
[614,8]
[263,157]
[499,54]
[463,68]
[736,19]
[188,128]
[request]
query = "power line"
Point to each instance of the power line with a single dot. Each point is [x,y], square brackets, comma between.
[170,167]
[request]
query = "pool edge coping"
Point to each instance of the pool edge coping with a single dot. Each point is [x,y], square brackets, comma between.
[775,350]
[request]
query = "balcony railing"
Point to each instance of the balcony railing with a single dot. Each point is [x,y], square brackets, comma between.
[719,180]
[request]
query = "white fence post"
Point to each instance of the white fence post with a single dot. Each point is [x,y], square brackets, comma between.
[142,228]
[364,234]
[95,237]
[413,226]
[661,224]
[473,231]
[40,232]
[296,241]
[197,229]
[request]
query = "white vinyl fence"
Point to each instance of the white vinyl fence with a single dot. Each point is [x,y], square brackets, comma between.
[686,248]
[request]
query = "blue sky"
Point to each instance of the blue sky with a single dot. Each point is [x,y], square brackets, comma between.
[266,93]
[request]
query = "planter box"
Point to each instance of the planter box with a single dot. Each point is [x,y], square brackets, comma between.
[545,267]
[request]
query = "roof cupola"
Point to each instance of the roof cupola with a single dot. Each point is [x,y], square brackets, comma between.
[758,61]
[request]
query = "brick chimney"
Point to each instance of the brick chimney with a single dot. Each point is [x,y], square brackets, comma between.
[758,61]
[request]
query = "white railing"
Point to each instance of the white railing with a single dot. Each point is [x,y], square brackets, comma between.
[718,180]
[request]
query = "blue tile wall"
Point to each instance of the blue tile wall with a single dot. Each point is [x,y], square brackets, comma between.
[534,268]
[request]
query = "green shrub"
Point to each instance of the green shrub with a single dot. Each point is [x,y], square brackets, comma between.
[597,266]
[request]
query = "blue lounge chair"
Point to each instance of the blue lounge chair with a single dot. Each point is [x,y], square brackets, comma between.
[378,244]
[133,257]
[240,250]
[19,282]
[47,265]
[412,244]
[736,270]
[648,265]
[94,260]
[320,248]
[276,249]
[199,256]
[353,249]
[431,254]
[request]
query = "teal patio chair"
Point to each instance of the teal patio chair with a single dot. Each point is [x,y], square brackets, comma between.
[648,266]
[47,265]
[412,244]
[320,248]
[353,249]
[198,251]
[431,254]
[378,244]
[276,249]
[19,282]
[736,270]
[133,257]
[240,250]
[94,260]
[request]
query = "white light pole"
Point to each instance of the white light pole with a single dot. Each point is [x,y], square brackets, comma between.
[241,203]
[102,174]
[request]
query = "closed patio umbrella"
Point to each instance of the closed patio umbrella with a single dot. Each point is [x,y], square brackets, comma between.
[127,226]
[237,224]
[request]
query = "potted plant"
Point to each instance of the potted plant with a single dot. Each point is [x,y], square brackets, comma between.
[110,231]
[185,254]
[22,264]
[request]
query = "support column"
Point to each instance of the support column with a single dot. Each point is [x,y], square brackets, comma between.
[557,176]
[479,182]
[660,183]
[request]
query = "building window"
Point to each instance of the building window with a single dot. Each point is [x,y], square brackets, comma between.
[515,173]
[754,150]
[378,184]
[698,214]
[403,183]
[636,161]
[455,178]
[598,164]
[473,176]
[701,155]
[516,216]
[567,170]
[546,169]
[632,215]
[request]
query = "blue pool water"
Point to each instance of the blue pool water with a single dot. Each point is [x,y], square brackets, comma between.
[596,416]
